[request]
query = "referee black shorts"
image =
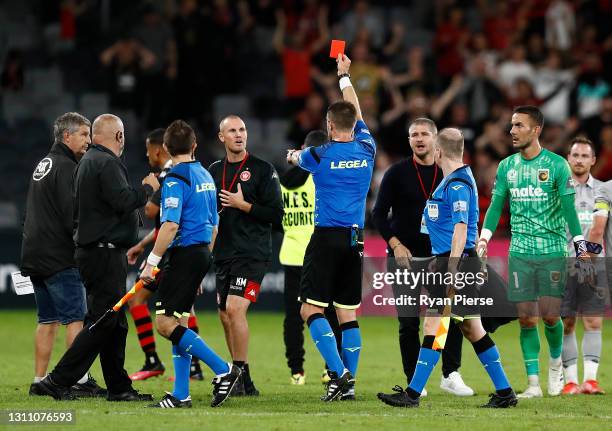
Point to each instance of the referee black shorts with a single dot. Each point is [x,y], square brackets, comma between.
[469,266]
[332,268]
[181,275]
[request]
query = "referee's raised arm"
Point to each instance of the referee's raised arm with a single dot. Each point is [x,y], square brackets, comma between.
[348,92]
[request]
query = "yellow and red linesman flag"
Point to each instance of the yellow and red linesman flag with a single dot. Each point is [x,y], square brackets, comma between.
[441,334]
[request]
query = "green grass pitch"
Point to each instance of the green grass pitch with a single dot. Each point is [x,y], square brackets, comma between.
[284,407]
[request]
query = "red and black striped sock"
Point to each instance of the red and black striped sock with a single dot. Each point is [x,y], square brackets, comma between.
[144,328]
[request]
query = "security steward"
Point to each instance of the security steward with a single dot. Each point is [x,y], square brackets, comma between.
[107,219]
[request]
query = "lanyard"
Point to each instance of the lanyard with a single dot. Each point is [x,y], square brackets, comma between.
[235,175]
[433,183]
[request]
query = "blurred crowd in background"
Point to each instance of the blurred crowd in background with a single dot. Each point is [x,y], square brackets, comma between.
[461,63]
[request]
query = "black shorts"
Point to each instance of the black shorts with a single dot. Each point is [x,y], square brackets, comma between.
[240,277]
[332,269]
[181,275]
[463,305]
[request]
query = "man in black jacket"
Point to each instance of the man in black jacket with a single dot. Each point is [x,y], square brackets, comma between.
[47,251]
[107,218]
[250,203]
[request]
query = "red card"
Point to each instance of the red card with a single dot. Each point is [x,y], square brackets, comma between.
[337,47]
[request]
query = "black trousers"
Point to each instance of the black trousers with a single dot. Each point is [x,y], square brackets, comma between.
[293,325]
[103,272]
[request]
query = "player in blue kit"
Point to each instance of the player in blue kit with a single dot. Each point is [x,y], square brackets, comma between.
[451,220]
[341,170]
[189,222]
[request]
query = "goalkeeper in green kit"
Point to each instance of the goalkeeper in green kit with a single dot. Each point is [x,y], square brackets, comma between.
[540,190]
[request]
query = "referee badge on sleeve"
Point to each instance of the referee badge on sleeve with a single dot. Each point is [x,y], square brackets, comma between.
[171,202]
[459,206]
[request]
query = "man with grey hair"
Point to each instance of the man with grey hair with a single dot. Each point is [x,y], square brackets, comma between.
[106,217]
[405,188]
[47,252]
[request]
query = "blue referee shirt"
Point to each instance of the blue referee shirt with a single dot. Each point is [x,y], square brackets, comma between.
[189,199]
[341,172]
[455,200]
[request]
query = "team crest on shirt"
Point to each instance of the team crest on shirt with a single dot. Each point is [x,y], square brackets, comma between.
[512,175]
[543,175]
[555,276]
[43,168]
[245,176]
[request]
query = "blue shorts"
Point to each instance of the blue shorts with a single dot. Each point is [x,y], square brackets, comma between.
[60,298]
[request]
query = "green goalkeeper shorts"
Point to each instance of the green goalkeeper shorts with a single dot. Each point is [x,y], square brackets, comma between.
[531,277]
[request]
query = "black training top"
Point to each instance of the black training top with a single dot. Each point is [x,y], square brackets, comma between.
[47,245]
[240,234]
[105,205]
[401,193]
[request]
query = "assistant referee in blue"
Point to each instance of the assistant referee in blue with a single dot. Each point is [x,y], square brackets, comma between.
[341,170]
[451,220]
[188,213]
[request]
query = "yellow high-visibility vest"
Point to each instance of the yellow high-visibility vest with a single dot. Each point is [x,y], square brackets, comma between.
[298,222]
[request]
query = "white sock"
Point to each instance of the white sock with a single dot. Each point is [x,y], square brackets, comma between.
[229,364]
[590,370]
[571,373]
[533,380]
[38,379]
[555,362]
[84,379]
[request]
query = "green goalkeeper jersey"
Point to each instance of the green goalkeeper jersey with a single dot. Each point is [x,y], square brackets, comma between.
[534,188]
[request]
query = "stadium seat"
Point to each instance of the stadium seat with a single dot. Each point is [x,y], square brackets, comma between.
[9,215]
[93,104]
[231,104]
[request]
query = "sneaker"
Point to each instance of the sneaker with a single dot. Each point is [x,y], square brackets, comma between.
[148,371]
[223,385]
[348,394]
[497,401]
[531,392]
[195,372]
[298,379]
[325,377]
[454,384]
[399,399]
[61,393]
[336,385]
[570,388]
[591,387]
[169,401]
[89,389]
[555,379]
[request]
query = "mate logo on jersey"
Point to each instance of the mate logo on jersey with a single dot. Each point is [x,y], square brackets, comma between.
[43,168]
[543,175]
[527,193]
[349,164]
